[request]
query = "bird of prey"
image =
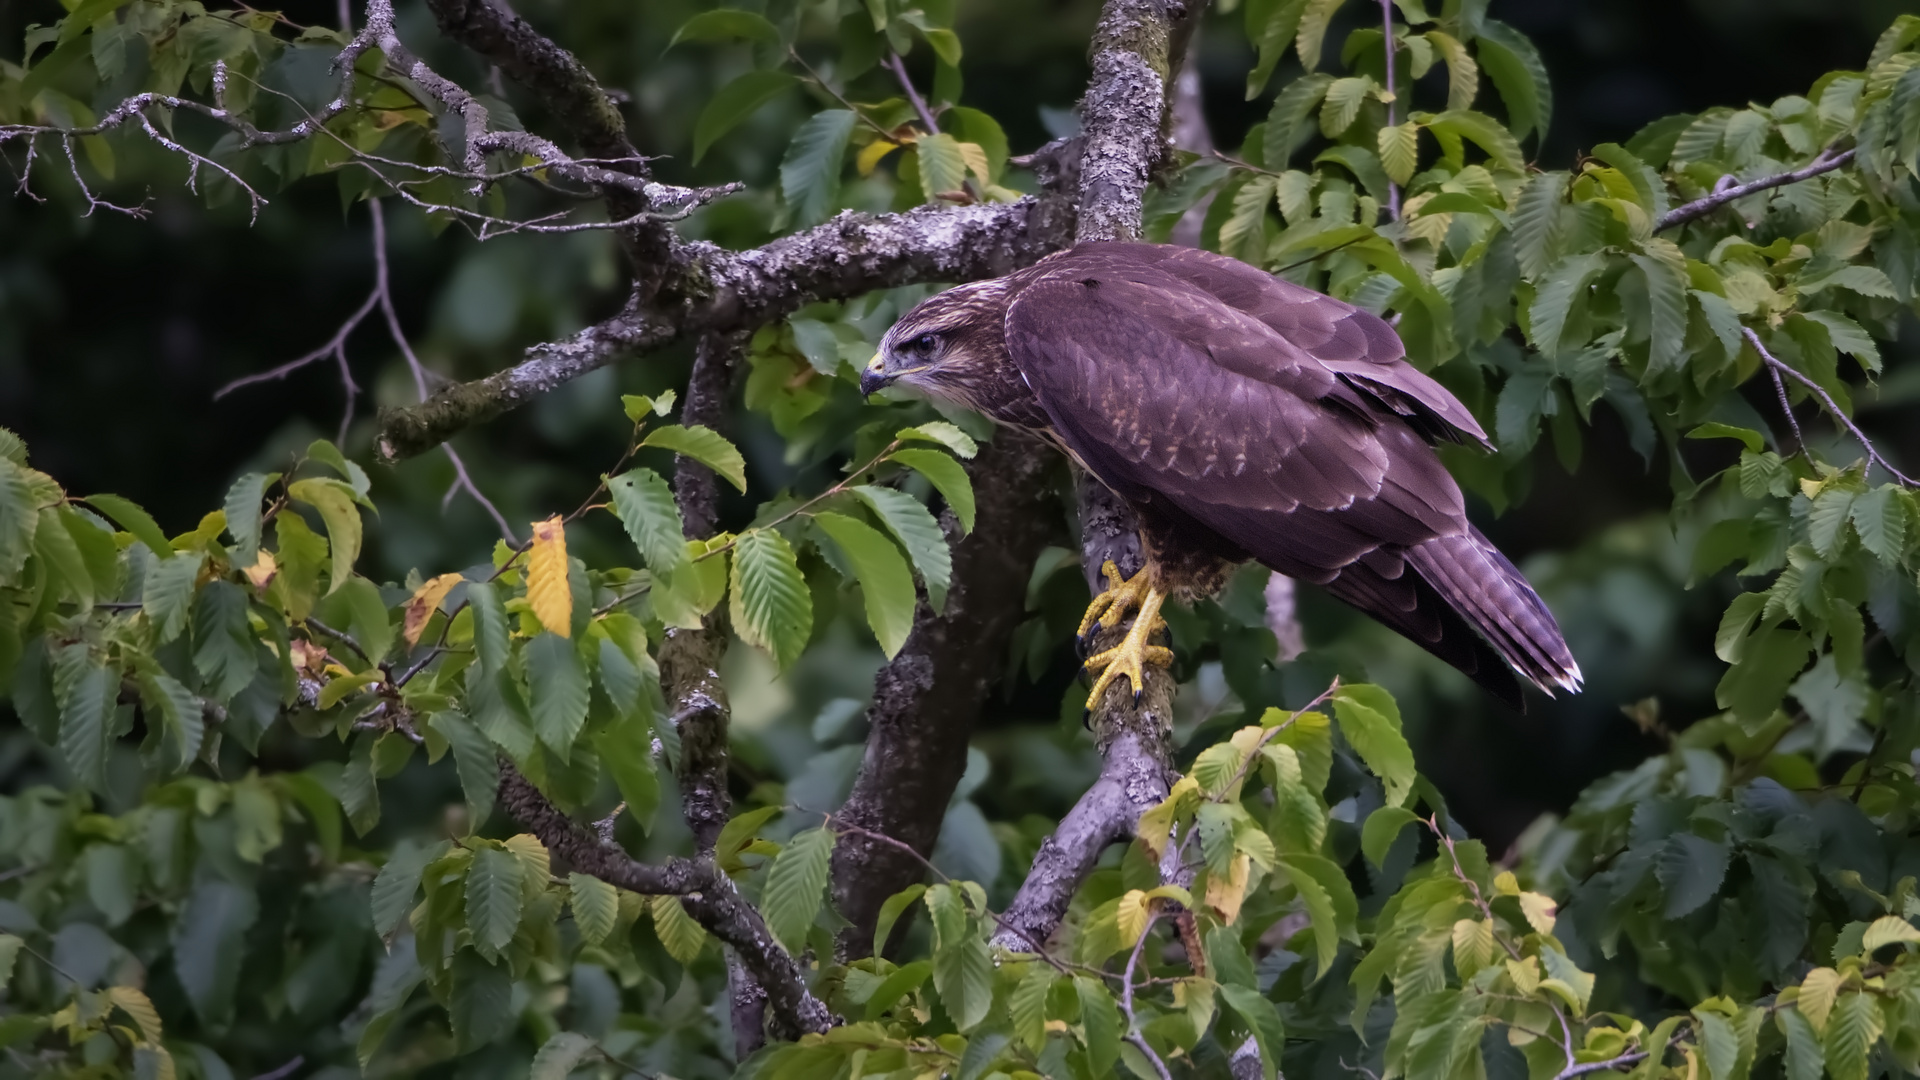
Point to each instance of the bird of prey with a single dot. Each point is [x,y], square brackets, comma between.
[1243,418]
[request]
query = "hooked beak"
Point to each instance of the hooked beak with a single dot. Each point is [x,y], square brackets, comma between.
[873,378]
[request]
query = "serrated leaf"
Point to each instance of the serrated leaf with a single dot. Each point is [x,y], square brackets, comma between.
[335,502]
[1483,131]
[243,515]
[1805,1058]
[1340,107]
[1370,720]
[130,517]
[1536,223]
[1286,121]
[136,1004]
[810,173]
[1880,517]
[494,897]
[86,716]
[735,102]
[769,602]
[1664,269]
[397,883]
[167,594]
[1553,301]
[1518,75]
[1827,519]
[1848,337]
[1852,1028]
[682,937]
[559,1056]
[1888,930]
[490,632]
[704,445]
[596,905]
[885,582]
[1691,869]
[1263,1020]
[1312,33]
[796,884]
[480,1000]
[947,477]
[1400,151]
[1382,829]
[1463,75]
[179,713]
[644,503]
[548,591]
[1243,235]
[1100,1018]
[474,761]
[557,691]
[18,522]
[1028,1005]
[423,603]
[917,531]
[943,433]
[943,167]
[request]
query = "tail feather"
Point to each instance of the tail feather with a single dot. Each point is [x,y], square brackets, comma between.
[1411,606]
[1484,588]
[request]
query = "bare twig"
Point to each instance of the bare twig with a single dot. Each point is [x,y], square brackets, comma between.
[899,69]
[1780,367]
[1133,1035]
[1827,161]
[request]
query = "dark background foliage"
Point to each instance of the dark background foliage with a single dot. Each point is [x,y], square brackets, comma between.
[115,334]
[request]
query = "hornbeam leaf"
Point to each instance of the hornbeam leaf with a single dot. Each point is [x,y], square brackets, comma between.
[1271,28]
[1555,298]
[1287,119]
[885,582]
[1485,132]
[129,516]
[548,591]
[490,632]
[768,598]
[1243,235]
[705,445]
[557,687]
[398,881]
[475,763]
[1101,1019]
[943,167]
[167,594]
[1664,268]
[335,501]
[796,883]
[1371,722]
[683,937]
[1463,75]
[947,476]
[918,532]
[243,515]
[1313,32]
[1852,1028]
[1028,1006]
[1341,105]
[1519,75]
[1848,337]
[494,897]
[810,173]
[645,506]
[1400,150]
[595,904]
[1880,517]
[1691,869]
[939,431]
[18,522]
[1536,223]
[735,102]
[86,722]
[561,1055]
[726,24]
[179,711]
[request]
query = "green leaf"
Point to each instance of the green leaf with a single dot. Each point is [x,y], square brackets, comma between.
[918,532]
[1370,720]
[563,1053]
[1101,1019]
[558,691]
[1271,27]
[735,102]
[890,912]
[1243,235]
[810,173]
[645,506]
[1313,32]
[110,878]
[179,712]
[335,501]
[1340,107]
[1382,829]
[1463,75]
[1865,280]
[1554,300]
[1768,661]
[481,1000]
[1263,1020]
[1519,75]
[61,558]
[243,515]
[705,446]
[128,515]
[596,905]
[947,477]
[796,883]
[737,833]
[1028,1005]
[769,602]
[1400,151]
[490,632]
[397,883]
[474,761]
[167,595]
[493,897]
[904,981]
[1805,1058]
[1880,517]
[327,454]
[208,945]
[1485,132]
[1748,437]
[1848,337]
[943,167]
[223,643]
[943,433]
[1852,1029]
[1536,223]
[1286,121]
[626,752]
[726,24]
[256,819]
[18,522]
[885,581]
[683,937]
[1827,519]
[1664,268]
[1691,869]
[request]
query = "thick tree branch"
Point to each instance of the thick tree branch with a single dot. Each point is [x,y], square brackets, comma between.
[727,291]
[708,895]
[927,699]
[1826,162]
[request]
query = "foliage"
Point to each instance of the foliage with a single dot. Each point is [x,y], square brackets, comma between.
[1740,904]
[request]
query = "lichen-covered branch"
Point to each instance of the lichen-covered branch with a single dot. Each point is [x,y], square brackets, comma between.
[708,895]
[716,291]
[927,699]
[1825,162]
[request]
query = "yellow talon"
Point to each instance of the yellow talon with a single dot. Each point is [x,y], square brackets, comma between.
[1134,653]
[1122,595]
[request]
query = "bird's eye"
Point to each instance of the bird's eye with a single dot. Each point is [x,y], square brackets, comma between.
[922,344]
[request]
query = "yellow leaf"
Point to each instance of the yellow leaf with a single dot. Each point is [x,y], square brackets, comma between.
[1817,993]
[1473,946]
[426,600]
[1156,825]
[869,158]
[1225,894]
[533,858]
[547,589]
[1886,930]
[976,158]
[1506,884]
[262,571]
[1811,488]
[1539,910]
[135,1004]
[1526,974]
[1132,915]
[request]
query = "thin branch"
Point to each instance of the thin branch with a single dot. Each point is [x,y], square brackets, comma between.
[899,69]
[1126,999]
[1826,162]
[1780,367]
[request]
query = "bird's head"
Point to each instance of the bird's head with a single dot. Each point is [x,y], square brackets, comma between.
[945,347]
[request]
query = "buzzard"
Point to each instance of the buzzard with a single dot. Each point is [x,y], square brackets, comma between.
[1244,418]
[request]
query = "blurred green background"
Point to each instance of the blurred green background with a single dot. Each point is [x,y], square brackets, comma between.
[115,334]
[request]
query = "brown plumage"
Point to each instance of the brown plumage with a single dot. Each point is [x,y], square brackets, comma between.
[1243,417]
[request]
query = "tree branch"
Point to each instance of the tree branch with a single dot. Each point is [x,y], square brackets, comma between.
[708,895]
[1826,162]
[927,699]
[726,291]
[1780,367]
